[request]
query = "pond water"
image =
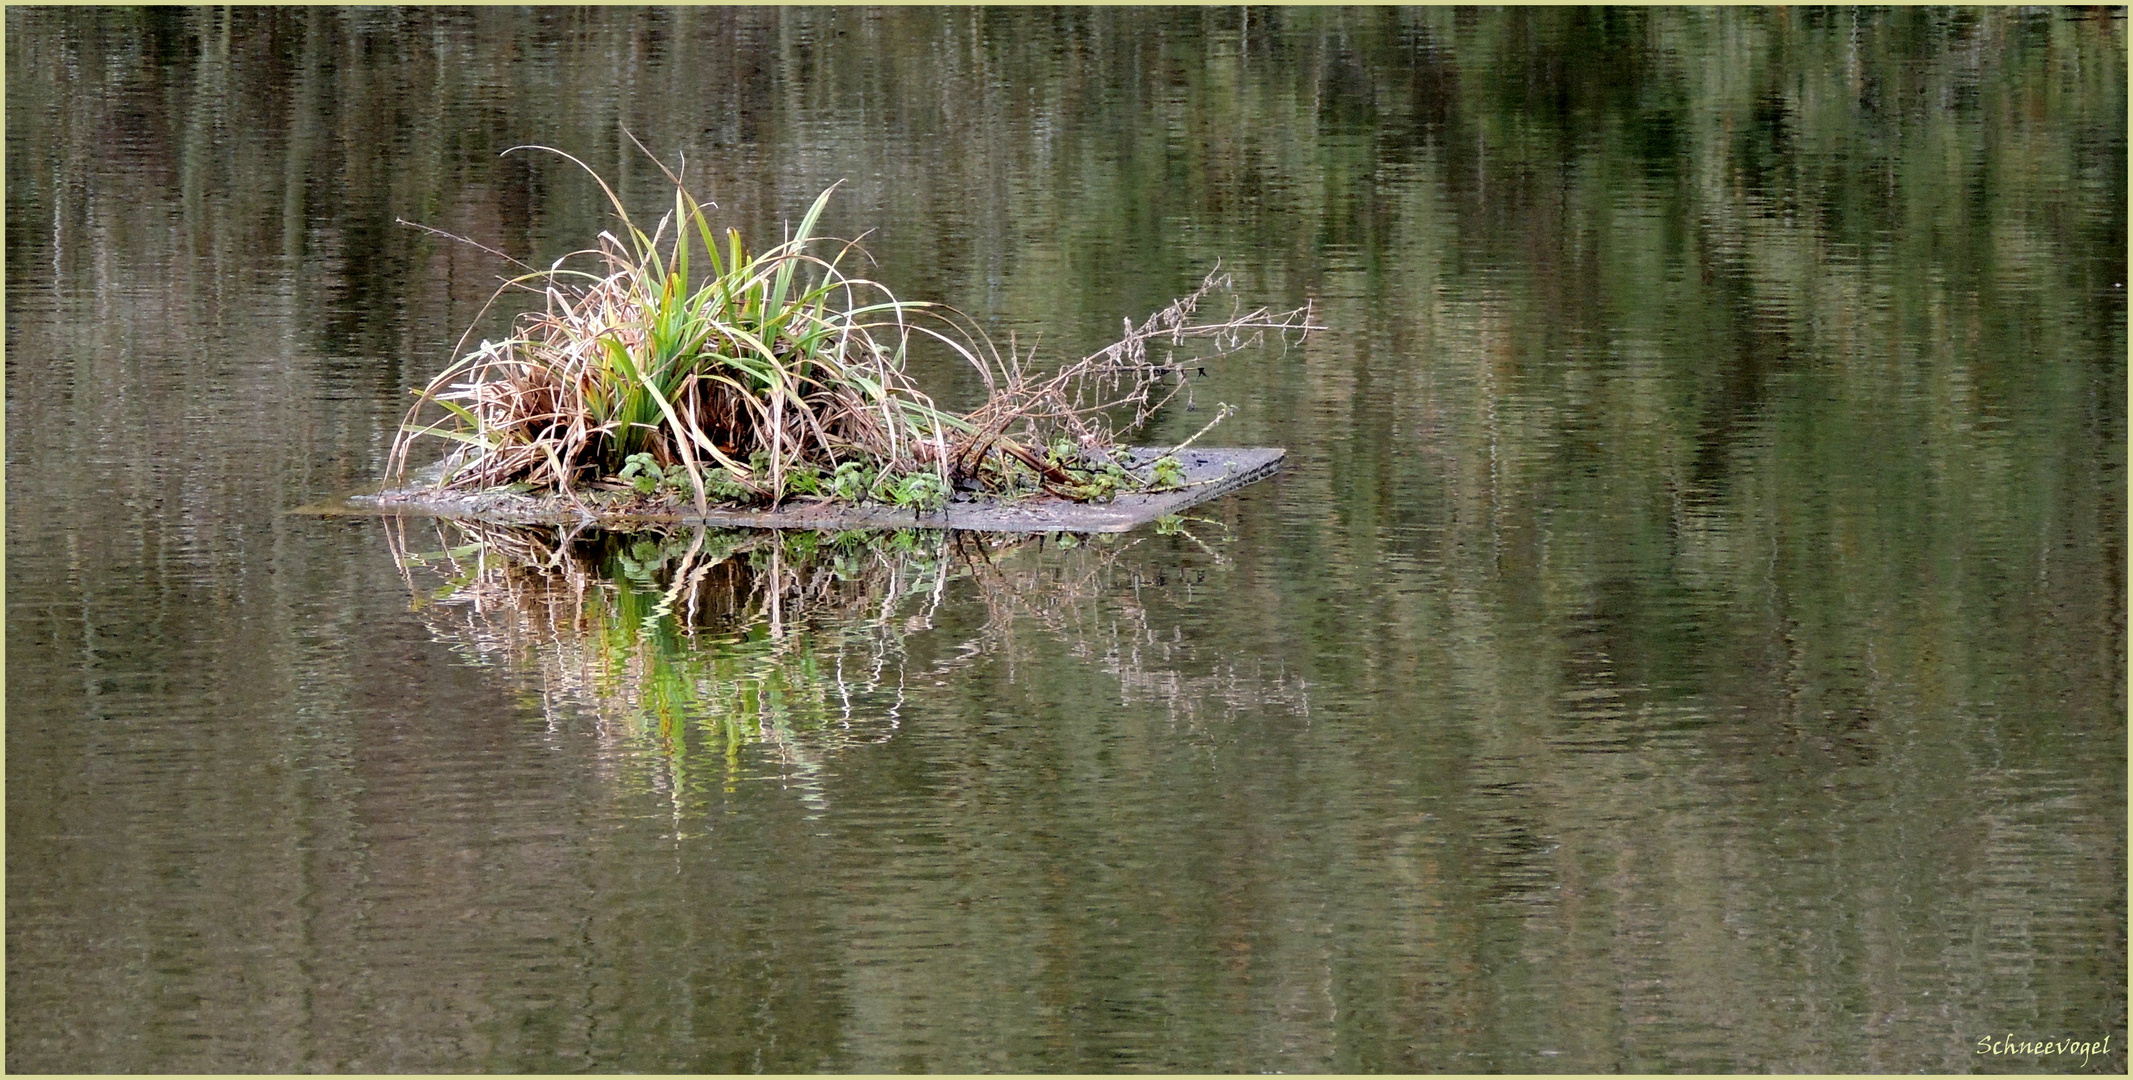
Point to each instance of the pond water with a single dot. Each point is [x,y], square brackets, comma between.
[1688,632]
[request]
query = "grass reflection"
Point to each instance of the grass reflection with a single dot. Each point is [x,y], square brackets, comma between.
[712,638]
[703,642]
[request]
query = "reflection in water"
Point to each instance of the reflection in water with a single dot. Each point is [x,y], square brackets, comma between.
[704,641]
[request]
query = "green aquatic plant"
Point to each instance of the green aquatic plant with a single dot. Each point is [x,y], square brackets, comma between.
[644,474]
[1167,473]
[918,491]
[851,481]
[681,361]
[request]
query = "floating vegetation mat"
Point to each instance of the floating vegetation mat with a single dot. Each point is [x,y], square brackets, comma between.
[668,372]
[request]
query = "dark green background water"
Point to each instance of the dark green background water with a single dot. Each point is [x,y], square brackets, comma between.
[1689,633]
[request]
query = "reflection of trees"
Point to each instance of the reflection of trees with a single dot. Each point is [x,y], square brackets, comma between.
[707,641]
[1378,152]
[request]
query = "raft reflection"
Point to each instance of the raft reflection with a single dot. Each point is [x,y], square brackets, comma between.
[707,641]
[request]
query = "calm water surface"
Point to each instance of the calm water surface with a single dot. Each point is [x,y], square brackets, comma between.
[1689,633]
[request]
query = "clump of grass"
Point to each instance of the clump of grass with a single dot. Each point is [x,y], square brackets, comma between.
[681,363]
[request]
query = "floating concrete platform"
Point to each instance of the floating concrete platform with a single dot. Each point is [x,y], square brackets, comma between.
[1209,474]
